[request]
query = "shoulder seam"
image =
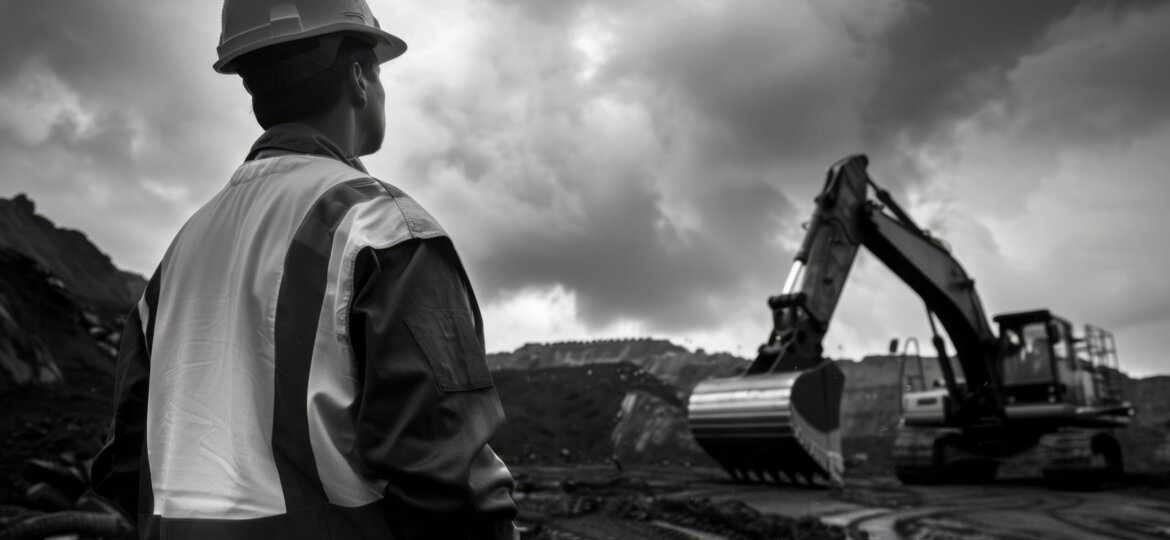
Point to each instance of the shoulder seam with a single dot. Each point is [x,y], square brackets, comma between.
[410,225]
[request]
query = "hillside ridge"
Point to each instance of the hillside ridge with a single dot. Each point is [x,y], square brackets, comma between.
[86,271]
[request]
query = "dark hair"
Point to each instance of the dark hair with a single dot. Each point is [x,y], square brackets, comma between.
[288,81]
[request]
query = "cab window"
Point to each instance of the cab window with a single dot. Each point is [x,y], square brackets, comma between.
[1028,360]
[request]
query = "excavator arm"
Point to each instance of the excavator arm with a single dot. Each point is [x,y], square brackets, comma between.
[949,294]
[801,313]
[791,393]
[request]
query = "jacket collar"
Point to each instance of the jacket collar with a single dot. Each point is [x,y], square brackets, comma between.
[299,139]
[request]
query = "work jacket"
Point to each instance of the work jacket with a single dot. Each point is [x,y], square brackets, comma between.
[307,362]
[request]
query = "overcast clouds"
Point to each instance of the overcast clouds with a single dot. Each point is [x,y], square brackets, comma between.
[628,168]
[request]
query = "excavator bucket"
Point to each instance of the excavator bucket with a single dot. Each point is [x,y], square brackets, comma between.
[774,423]
[783,414]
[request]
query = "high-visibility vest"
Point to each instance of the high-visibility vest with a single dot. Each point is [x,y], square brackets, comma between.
[253,390]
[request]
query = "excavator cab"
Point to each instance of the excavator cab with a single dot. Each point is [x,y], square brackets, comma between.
[1034,359]
[1043,361]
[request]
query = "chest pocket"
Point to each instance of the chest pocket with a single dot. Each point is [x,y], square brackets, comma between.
[449,341]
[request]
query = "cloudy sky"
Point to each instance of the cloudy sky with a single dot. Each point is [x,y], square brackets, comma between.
[642,168]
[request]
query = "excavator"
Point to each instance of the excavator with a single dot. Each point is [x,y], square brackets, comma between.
[1034,384]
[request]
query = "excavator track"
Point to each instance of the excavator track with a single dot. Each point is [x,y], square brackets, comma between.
[917,456]
[781,426]
[1076,458]
[924,455]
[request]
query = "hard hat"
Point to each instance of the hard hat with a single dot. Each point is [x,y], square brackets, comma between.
[249,25]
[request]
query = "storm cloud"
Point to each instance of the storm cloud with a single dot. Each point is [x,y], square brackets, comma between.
[614,167]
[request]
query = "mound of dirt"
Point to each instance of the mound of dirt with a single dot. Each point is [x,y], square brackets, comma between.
[592,414]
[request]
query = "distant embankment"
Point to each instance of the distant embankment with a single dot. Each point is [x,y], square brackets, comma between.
[583,401]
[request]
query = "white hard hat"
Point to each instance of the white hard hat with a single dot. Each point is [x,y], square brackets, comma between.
[249,25]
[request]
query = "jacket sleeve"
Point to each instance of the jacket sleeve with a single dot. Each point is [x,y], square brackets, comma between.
[115,471]
[428,406]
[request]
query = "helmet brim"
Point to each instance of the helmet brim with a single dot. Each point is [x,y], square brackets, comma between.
[387,46]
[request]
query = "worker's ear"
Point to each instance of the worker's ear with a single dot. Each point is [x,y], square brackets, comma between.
[358,82]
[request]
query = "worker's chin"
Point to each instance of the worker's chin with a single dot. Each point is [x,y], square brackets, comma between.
[370,146]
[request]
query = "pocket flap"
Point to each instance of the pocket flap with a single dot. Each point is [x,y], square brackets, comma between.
[449,341]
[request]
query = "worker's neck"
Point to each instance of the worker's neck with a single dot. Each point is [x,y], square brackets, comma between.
[340,127]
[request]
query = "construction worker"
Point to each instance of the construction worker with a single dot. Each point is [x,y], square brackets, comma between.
[307,361]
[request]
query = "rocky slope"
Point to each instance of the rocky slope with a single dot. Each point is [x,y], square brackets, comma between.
[45,335]
[61,302]
[61,306]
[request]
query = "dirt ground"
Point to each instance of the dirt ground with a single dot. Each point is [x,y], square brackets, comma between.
[600,502]
[40,423]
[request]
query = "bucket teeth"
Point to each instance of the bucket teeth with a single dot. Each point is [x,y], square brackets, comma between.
[760,426]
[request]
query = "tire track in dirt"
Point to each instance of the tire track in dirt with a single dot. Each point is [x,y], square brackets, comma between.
[884,525]
[1079,516]
[1001,512]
